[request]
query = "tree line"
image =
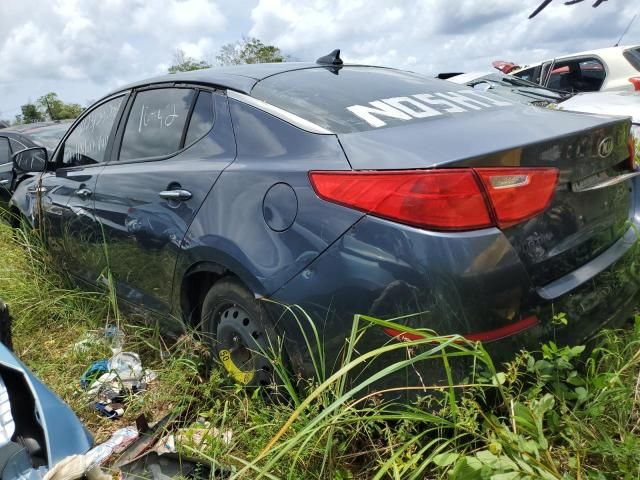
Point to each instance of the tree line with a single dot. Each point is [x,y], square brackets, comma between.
[246,50]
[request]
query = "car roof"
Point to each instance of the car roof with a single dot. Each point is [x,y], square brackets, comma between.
[241,78]
[601,52]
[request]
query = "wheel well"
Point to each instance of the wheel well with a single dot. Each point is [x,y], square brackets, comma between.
[195,286]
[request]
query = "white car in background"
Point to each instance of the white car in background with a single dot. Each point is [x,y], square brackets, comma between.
[614,68]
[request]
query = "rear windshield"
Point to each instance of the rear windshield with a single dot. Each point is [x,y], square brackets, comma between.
[633,57]
[48,137]
[354,99]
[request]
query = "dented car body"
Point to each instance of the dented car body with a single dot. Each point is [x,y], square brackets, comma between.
[355,190]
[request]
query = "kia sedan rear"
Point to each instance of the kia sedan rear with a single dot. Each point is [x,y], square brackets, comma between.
[343,189]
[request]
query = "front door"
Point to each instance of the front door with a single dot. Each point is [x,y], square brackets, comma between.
[166,158]
[67,193]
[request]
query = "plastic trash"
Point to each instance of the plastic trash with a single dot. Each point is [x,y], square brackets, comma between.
[95,371]
[128,367]
[110,335]
[120,440]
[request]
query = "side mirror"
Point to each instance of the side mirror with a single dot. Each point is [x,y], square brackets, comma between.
[31,160]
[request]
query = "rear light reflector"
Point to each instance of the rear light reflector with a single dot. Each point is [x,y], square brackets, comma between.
[442,199]
[631,142]
[635,81]
[518,193]
[487,336]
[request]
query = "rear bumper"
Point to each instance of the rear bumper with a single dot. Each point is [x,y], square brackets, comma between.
[462,283]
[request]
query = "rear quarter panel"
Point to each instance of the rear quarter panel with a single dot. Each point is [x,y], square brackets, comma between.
[231,228]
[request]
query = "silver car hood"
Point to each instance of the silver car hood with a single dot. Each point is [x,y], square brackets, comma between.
[621,103]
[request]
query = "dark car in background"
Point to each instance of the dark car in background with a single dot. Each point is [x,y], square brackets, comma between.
[19,137]
[344,189]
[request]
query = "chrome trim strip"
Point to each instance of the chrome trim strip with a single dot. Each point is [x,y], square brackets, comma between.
[288,117]
[606,183]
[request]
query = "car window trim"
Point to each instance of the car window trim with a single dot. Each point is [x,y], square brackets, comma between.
[290,118]
[115,154]
[59,151]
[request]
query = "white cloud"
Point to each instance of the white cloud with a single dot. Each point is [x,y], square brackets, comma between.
[437,35]
[84,48]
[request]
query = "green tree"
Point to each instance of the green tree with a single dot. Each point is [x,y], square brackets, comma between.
[249,50]
[56,109]
[30,113]
[183,63]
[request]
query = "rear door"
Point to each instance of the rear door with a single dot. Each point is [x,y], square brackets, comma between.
[170,150]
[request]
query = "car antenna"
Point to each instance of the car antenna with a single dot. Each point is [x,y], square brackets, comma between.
[332,59]
[626,30]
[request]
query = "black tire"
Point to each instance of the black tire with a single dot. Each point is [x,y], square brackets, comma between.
[5,326]
[239,329]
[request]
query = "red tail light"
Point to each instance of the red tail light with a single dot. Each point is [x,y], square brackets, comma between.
[448,199]
[518,193]
[635,81]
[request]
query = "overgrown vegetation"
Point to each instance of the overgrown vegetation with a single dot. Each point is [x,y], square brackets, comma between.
[48,107]
[560,413]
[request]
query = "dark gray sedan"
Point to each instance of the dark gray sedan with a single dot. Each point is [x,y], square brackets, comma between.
[345,189]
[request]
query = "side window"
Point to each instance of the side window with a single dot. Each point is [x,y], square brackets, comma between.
[526,74]
[87,144]
[633,57]
[530,74]
[156,123]
[201,119]
[593,73]
[580,75]
[5,151]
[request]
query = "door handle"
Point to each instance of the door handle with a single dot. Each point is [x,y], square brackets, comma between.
[84,193]
[178,195]
[4,182]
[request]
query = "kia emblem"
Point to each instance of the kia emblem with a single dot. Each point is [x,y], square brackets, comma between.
[605,147]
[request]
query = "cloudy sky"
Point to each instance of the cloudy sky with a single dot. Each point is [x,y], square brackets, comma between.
[84,48]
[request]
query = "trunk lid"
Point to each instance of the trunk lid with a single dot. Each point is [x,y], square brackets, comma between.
[592,202]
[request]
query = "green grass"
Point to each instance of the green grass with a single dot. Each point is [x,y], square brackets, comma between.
[556,414]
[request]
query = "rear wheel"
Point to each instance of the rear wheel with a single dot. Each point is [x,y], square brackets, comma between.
[240,333]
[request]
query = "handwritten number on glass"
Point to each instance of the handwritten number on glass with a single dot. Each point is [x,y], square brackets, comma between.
[160,118]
